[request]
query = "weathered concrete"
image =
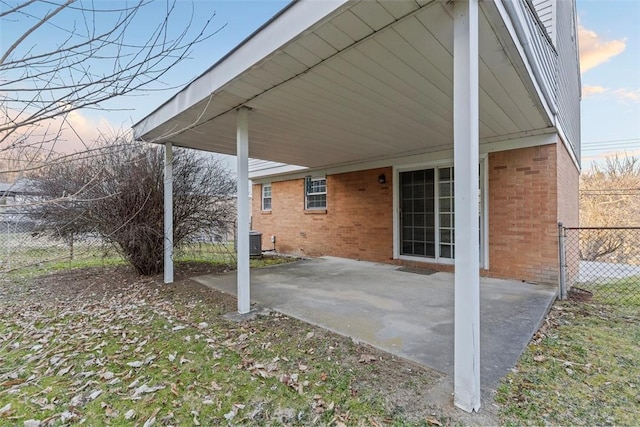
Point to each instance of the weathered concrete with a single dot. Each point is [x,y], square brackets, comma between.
[404,313]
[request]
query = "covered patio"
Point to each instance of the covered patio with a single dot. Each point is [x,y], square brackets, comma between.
[406,313]
[336,82]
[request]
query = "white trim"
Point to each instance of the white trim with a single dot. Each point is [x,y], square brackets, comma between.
[411,159]
[484,188]
[466,147]
[324,193]
[168,213]
[242,242]
[262,188]
[274,169]
[567,146]
[484,168]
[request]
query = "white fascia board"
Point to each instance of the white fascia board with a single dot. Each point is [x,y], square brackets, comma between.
[294,20]
[275,170]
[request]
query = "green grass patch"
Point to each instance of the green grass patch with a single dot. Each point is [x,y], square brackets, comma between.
[622,292]
[144,351]
[581,369]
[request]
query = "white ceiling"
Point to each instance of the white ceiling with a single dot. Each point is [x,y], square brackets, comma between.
[371,80]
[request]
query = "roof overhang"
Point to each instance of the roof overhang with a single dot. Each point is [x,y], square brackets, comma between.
[337,81]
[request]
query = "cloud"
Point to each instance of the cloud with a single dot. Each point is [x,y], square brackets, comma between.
[66,133]
[588,90]
[628,95]
[595,51]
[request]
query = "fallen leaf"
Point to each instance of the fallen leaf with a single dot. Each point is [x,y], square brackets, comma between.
[110,412]
[135,364]
[5,409]
[367,358]
[107,375]
[145,389]
[32,423]
[539,358]
[94,394]
[152,419]
[309,335]
[433,422]
[64,371]
[130,414]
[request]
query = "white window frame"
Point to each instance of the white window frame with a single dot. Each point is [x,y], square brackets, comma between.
[484,221]
[317,193]
[264,187]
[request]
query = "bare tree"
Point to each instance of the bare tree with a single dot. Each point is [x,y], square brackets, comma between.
[87,53]
[610,197]
[118,194]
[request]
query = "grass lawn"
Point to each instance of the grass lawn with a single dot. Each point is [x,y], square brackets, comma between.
[621,292]
[582,368]
[105,347]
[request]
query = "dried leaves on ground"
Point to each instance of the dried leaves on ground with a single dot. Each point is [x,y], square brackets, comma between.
[581,368]
[106,346]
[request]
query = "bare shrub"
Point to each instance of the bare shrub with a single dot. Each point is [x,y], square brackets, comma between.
[118,194]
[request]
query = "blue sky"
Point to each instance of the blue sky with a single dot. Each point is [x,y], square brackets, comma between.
[610,45]
[609,32]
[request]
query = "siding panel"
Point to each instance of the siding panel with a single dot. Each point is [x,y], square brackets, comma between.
[546,13]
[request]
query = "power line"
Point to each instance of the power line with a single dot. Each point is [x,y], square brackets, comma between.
[611,140]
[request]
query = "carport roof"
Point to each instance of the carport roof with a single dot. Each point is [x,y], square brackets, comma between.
[336,81]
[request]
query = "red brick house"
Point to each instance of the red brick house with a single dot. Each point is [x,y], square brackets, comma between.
[444,133]
[524,193]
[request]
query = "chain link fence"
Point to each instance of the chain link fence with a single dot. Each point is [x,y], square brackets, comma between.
[23,247]
[600,264]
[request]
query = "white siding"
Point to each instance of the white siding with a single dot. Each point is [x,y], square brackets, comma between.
[568,76]
[546,10]
[258,168]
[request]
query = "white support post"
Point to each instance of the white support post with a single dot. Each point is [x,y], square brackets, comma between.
[168,213]
[242,153]
[467,245]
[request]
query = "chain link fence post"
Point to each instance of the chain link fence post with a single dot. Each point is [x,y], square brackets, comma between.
[562,263]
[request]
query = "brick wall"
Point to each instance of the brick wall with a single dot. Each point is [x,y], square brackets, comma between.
[523,214]
[530,189]
[358,222]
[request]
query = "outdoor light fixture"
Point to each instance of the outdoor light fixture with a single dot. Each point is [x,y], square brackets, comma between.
[382,179]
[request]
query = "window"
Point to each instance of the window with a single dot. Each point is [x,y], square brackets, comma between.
[266,197]
[315,194]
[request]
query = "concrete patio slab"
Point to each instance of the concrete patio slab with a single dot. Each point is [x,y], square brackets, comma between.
[403,313]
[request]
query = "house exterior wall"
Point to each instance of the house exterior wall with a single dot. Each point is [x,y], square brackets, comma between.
[546,10]
[569,86]
[523,214]
[358,222]
[530,189]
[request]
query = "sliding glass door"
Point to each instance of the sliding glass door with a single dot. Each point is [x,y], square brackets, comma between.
[427,213]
